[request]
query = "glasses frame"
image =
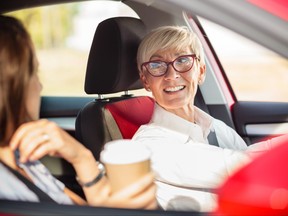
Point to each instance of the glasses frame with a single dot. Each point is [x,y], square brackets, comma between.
[172,63]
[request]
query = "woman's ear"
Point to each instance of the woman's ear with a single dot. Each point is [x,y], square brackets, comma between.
[202,74]
[144,81]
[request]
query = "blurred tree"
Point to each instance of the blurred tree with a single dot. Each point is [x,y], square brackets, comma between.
[50,25]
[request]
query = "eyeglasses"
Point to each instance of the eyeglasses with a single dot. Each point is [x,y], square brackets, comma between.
[181,64]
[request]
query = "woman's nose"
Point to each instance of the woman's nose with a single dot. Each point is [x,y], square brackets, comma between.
[171,73]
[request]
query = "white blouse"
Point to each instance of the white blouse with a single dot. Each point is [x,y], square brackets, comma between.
[186,167]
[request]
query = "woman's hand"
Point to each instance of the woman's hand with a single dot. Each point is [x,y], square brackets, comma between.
[42,137]
[39,138]
[139,195]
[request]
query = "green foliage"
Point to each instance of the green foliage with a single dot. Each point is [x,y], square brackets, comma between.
[48,26]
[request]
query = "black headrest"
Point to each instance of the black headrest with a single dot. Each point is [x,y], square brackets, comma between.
[112,65]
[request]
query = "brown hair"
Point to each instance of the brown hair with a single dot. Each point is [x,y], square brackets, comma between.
[17,65]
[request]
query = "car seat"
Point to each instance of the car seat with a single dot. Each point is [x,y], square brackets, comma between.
[112,68]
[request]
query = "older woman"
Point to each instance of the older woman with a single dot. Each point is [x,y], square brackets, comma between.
[24,139]
[171,65]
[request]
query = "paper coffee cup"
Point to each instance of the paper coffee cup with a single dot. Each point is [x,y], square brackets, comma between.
[125,161]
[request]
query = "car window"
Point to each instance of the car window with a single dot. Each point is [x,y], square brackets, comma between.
[254,72]
[63,35]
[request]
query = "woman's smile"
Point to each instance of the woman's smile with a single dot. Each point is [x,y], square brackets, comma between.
[173,89]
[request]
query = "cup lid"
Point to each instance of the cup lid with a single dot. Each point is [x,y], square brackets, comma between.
[124,151]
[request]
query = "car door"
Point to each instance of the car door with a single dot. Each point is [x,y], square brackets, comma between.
[63,111]
[258,120]
[255,78]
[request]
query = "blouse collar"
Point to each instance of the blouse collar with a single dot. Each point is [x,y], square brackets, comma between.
[197,131]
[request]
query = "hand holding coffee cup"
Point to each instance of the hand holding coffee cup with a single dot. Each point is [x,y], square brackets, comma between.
[125,161]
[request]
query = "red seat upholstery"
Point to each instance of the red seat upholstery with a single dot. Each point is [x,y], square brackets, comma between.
[131,114]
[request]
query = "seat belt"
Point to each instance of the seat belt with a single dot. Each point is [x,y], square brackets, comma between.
[111,125]
[212,139]
[43,197]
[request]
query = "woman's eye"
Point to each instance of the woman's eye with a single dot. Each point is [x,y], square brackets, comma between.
[182,60]
[155,65]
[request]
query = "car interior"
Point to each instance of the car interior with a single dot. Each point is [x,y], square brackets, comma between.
[111,68]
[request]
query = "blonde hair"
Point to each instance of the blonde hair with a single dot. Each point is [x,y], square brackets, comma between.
[18,64]
[168,37]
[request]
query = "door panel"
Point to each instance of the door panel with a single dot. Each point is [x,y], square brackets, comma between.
[257,120]
[63,111]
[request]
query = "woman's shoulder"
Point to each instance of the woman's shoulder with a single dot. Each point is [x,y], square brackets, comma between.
[12,188]
[154,134]
[219,125]
[227,136]
[150,129]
